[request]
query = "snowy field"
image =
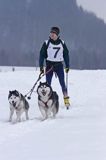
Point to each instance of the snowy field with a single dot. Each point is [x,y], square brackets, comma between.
[75,134]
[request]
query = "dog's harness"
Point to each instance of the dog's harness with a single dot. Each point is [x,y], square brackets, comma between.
[45,103]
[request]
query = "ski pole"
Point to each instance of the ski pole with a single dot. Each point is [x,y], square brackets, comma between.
[67,82]
[67,86]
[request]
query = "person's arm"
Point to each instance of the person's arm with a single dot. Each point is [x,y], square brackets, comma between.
[66,55]
[43,55]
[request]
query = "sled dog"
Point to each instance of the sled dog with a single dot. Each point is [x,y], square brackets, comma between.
[19,104]
[48,100]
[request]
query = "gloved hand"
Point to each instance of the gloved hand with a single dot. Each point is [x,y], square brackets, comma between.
[67,70]
[41,70]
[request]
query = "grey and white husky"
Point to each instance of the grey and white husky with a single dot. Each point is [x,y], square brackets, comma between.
[48,100]
[19,104]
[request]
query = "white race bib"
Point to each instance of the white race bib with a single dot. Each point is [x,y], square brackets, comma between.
[55,52]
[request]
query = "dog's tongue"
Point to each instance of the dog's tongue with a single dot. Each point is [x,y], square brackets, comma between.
[14,104]
[44,93]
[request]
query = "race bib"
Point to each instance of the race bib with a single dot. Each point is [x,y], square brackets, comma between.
[55,52]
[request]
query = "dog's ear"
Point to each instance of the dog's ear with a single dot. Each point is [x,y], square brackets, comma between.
[10,92]
[17,93]
[37,90]
[47,84]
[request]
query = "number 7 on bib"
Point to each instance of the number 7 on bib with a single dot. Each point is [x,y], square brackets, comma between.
[57,50]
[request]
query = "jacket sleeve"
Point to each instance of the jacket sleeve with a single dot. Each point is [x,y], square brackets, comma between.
[43,54]
[66,55]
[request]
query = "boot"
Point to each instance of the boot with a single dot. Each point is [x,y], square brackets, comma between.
[66,101]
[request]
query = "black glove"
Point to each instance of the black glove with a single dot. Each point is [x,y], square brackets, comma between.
[67,70]
[41,70]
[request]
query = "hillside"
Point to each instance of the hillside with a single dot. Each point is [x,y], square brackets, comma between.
[26,24]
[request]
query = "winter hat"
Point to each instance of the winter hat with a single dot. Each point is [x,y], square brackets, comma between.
[55,30]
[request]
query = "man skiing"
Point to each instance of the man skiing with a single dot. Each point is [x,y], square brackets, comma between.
[54,51]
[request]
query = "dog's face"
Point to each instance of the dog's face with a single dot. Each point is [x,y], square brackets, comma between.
[44,89]
[14,98]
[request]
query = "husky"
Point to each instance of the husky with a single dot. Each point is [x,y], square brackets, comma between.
[48,100]
[19,104]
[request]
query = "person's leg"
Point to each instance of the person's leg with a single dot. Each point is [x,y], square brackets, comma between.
[49,75]
[60,73]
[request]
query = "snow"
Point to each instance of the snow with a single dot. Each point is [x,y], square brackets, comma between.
[75,134]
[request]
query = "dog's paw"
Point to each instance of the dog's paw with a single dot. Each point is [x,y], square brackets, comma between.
[18,120]
[27,118]
[43,119]
[10,120]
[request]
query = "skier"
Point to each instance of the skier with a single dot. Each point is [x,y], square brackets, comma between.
[54,51]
